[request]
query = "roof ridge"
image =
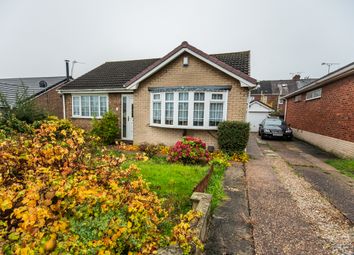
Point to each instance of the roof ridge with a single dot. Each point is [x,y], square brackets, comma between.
[131,60]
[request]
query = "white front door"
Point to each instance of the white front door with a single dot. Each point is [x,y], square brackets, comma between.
[127,116]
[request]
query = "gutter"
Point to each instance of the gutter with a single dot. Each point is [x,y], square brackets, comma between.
[90,91]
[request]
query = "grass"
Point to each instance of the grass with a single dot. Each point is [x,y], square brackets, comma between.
[173,182]
[344,166]
[215,186]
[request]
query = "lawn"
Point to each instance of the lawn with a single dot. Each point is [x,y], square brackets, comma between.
[171,181]
[345,166]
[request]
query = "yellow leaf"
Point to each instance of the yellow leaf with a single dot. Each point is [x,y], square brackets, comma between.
[6,204]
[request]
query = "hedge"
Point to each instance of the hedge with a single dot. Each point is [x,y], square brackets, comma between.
[233,136]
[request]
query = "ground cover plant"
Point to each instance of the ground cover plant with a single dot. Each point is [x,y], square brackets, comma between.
[58,197]
[345,166]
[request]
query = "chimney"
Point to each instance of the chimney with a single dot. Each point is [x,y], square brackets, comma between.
[296,77]
[67,69]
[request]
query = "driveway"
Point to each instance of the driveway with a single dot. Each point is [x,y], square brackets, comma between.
[309,162]
[298,204]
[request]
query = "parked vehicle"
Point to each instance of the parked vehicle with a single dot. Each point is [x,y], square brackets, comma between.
[274,127]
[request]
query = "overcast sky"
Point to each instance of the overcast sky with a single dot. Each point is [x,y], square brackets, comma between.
[284,36]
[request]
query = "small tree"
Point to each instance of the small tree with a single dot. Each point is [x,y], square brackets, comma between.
[106,128]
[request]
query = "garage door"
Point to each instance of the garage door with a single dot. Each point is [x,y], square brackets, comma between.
[255,119]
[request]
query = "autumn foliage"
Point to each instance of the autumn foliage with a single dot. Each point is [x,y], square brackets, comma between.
[57,197]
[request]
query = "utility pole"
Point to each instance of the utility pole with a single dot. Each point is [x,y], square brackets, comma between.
[329,65]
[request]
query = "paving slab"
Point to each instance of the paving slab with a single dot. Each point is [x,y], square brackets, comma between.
[230,231]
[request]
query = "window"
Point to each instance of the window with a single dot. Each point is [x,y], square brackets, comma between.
[188,109]
[89,106]
[183,108]
[314,94]
[297,98]
[76,105]
[198,112]
[169,108]
[156,109]
[216,110]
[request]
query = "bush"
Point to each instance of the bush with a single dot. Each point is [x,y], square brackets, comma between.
[189,150]
[106,128]
[219,158]
[149,149]
[233,136]
[56,197]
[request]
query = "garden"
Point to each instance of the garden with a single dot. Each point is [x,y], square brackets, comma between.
[63,190]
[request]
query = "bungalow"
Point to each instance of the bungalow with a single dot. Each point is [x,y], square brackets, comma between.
[322,113]
[186,92]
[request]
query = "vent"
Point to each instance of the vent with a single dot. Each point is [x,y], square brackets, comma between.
[43,84]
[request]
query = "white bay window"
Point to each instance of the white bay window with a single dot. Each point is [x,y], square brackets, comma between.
[195,109]
[89,106]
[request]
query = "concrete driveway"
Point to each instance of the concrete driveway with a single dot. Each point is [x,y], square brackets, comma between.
[298,203]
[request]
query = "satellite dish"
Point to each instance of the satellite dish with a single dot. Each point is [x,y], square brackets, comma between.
[43,84]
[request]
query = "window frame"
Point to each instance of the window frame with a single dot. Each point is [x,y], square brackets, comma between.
[310,94]
[298,98]
[73,115]
[190,123]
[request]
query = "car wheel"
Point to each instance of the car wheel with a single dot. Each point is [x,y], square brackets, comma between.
[290,138]
[263,137]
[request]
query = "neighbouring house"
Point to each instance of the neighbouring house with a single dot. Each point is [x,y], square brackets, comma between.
[42,90]
[322,113]
[186,92]
[270,92]
[257,112]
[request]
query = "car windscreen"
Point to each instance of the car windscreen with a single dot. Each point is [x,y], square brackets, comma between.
[274,122]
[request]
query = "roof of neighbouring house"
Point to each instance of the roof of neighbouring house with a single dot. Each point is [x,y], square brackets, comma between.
[12,87]
[120,74]
[331,77]
[273,87]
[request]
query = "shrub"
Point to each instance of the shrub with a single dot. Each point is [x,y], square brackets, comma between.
[149,149]
[122,146]
[24,109]
[233,136]
[106,128]
[240,157]
[219,158]
[189,150]
[56,197]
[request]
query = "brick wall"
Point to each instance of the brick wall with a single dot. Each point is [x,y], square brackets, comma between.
[174,74]
[51,101]
[332,115]
[85,123]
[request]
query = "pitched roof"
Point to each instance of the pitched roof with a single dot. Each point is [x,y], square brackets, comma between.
[120,74]
[11,87]
[333,76]
[272,87]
